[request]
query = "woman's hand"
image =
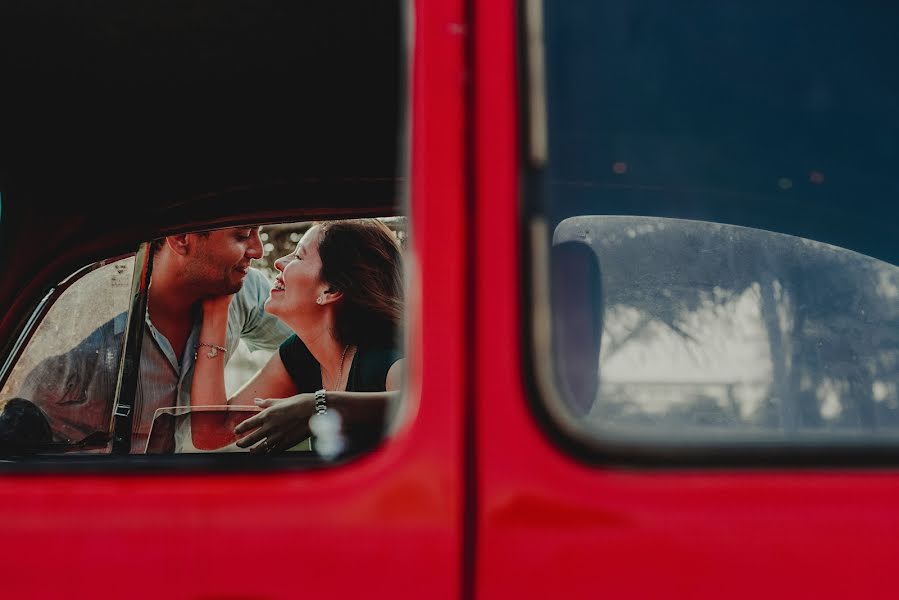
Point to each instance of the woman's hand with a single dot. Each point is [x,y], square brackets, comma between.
[283,424]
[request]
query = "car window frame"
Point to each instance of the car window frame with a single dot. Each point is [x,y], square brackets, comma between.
[119,460]
[543,395]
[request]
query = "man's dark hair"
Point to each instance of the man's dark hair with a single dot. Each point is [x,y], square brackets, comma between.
[156,245]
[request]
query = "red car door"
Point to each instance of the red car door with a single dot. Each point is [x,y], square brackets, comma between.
[386,524]
[632,517]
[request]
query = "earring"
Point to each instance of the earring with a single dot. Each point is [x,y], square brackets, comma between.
[319,300]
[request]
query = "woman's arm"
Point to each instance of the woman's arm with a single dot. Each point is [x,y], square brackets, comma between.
[395,375]
[271,381]
[208,385]
[285,421]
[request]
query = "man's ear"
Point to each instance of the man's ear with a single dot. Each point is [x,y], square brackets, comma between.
[179,244]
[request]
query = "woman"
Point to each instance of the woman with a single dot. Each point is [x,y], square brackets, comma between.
[341,293]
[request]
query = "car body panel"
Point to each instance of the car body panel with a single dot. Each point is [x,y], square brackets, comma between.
[476,494]
[383,522]
[553,519]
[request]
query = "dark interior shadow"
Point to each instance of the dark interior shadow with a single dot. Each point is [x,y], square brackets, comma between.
[24,428]
[577,321]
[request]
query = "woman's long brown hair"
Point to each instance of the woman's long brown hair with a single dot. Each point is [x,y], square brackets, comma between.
[361,258]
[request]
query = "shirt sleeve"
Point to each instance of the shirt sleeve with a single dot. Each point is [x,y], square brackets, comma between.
[370,372]
[75,390]
[258,329]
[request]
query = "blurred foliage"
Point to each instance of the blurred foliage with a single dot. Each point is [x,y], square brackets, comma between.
[280,239]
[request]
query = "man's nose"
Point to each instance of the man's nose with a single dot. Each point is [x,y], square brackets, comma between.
[254,248]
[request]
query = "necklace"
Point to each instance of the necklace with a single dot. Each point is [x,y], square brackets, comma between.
[339,370]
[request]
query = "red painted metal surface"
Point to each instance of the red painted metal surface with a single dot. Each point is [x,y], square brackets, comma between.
[391,524]
[385,525]
[549,526]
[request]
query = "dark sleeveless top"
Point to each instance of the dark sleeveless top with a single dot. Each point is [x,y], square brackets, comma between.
[368,373]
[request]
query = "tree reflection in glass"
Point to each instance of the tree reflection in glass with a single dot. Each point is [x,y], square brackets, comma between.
[719,330]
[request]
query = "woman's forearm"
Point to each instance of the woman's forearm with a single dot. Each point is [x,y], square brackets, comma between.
[285,421]
[361,409]
[208,386]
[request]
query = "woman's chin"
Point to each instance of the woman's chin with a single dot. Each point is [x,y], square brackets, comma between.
[271,307]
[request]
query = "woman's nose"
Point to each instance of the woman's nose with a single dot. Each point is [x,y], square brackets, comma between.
[279,264]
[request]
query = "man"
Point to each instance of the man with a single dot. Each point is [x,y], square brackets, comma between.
[76,389]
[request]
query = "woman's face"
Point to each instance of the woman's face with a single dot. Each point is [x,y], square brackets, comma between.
[299,285]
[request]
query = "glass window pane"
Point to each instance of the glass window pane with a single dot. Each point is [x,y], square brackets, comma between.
[69,367]
[716,206]
[727,333]
[62,388]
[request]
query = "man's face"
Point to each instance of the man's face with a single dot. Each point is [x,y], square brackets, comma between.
[219,260]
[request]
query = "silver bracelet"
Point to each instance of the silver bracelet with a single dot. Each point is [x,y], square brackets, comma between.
[325,426]
[213,350]
[321,404]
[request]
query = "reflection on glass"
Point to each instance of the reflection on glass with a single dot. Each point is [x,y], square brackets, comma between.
[711,329]
[69,366]
[212,427]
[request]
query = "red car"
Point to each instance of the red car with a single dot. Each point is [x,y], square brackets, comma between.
[652,296]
